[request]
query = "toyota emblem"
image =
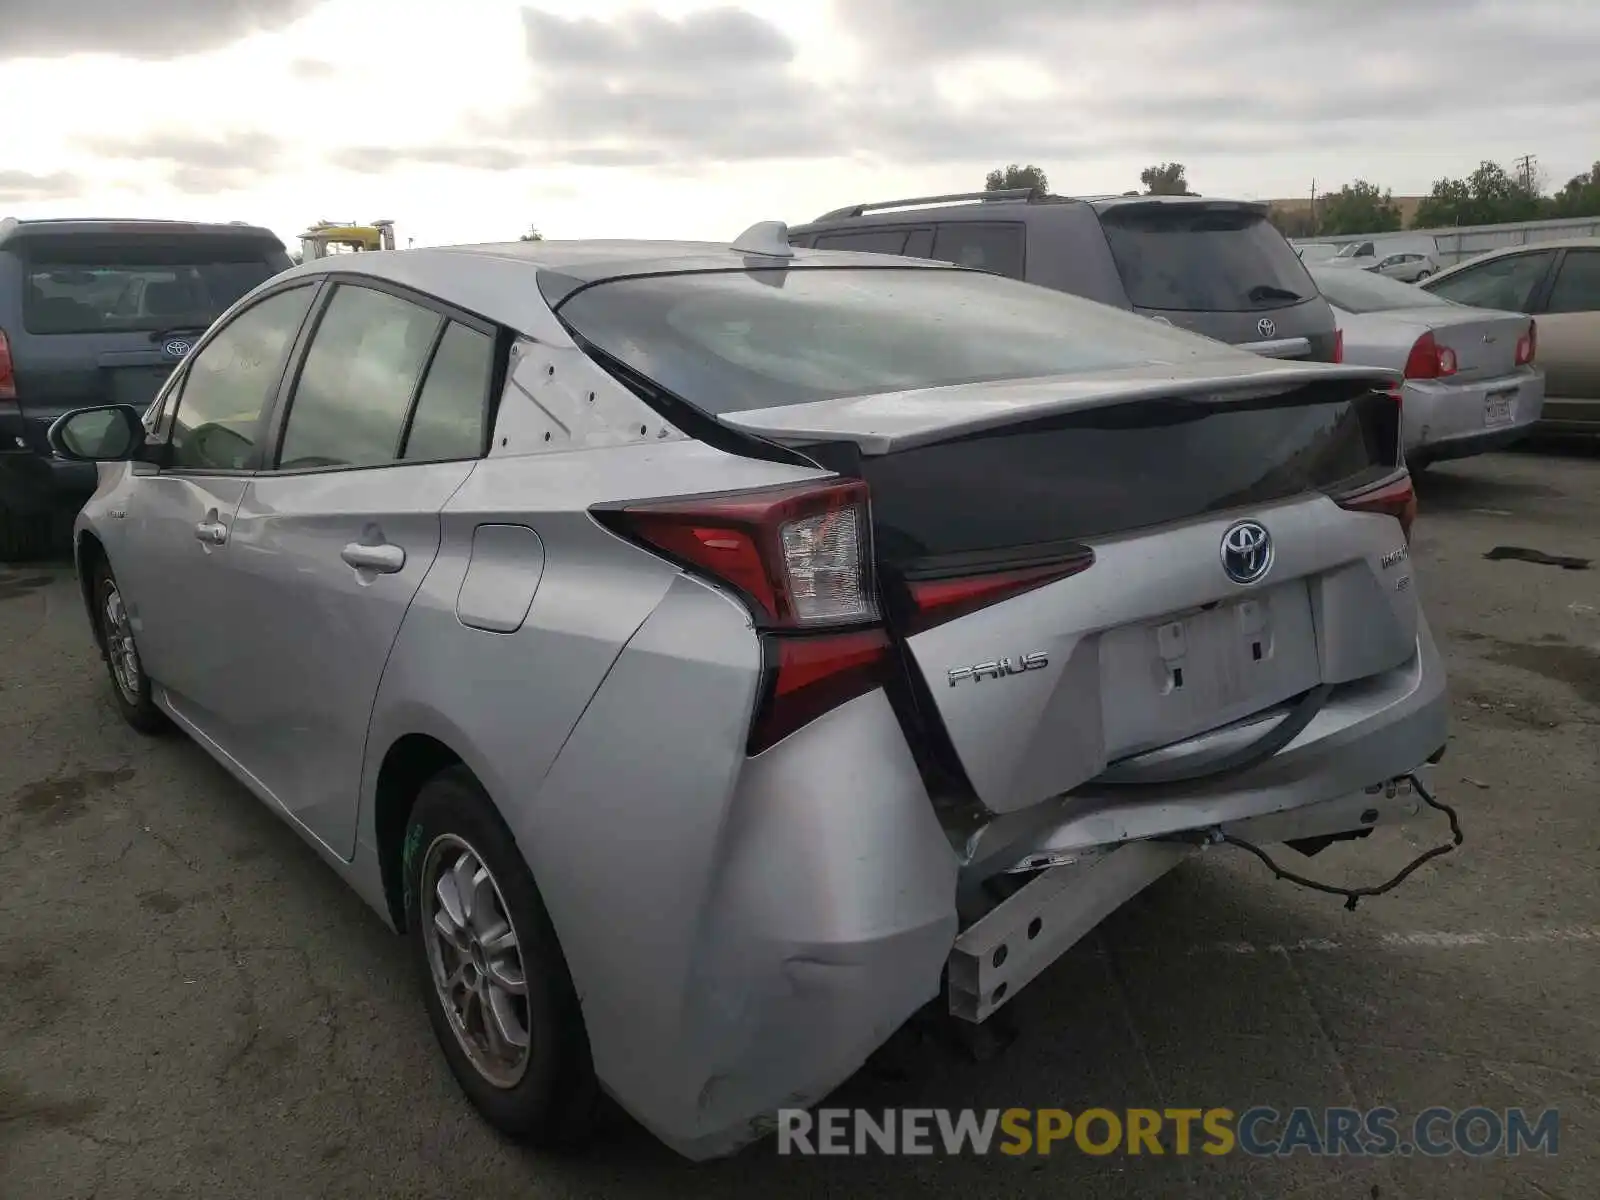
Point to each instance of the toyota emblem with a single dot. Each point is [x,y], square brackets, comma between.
[1247,552]
[176,348]
[1265,327]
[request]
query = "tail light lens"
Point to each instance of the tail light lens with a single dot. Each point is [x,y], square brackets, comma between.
[947,595]
[8,376]
[1527,344]
[1338,345]
[1429,360]
[1396,498]
[800,557]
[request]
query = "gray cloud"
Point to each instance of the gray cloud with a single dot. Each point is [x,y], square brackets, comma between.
[200,165]
[1168,78]
[373,159]
[23,187]
[146,29]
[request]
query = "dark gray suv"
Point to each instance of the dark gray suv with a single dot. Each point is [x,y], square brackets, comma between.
[1217,267]
[99,312]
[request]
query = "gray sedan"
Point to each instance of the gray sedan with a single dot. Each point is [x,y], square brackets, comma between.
[1469,383]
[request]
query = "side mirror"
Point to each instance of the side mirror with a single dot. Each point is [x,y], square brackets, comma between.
[112,433]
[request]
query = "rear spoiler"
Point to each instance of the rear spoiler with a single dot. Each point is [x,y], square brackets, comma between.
[893,421]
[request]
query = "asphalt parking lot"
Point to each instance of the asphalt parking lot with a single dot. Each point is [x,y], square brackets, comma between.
[192,1005]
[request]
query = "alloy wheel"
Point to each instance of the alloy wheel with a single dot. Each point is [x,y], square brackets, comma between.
[120,650]
[476,961]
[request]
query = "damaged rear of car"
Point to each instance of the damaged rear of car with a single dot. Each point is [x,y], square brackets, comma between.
[1058,595]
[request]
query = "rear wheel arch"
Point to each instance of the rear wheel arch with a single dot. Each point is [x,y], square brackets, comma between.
[410,762]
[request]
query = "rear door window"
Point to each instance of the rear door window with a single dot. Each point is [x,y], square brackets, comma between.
[993,246]
[1577,286]
[453,407]
[355,388]
[1505,283]
[136,285]
[1191,258]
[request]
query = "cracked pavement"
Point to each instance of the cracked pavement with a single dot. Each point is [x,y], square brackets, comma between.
[191,1004]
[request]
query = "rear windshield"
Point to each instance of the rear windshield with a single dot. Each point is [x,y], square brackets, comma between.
[1184,258]
[728,341]
[98,288]
[1363,292]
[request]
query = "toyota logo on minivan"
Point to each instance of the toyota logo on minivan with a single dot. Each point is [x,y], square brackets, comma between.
[1246,551]
[1265,327]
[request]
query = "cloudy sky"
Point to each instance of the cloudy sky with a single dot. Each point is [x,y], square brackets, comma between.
[467,120]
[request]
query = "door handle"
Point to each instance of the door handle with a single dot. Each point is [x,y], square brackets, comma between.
[385,559]
[213,533]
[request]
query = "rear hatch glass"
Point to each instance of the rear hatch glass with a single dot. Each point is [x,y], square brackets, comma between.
[136,286]
[106,317]
[1196,258]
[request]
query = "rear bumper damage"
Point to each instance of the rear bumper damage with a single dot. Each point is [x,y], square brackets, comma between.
[1000,954]
[837,913]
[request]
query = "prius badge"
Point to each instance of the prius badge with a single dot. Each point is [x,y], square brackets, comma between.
[1000,668]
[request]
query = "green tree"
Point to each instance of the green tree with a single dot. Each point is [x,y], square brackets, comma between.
[533,235]
[1357,207]
[1293,223]
[1580,197]
[1165,179]
[1015,175]
[1489,196]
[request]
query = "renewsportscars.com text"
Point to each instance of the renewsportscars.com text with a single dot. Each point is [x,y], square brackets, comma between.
[1259,1132]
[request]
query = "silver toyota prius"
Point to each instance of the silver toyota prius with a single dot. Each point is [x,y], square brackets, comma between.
[708,656]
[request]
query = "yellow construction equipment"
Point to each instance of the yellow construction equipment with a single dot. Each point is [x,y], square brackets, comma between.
[330,237]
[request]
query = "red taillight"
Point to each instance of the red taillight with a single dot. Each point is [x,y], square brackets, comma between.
[1527,345]
[807,676]
[1338,345]
[8,376]
[800,557]
[937,600]
[1397,499]
[1429,360]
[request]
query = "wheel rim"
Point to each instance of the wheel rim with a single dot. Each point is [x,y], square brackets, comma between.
[120,650]
[476,961]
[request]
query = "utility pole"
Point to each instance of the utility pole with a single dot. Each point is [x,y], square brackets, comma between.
[1313,206]
[1525,169]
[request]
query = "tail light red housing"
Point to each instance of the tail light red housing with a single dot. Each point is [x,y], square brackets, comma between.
[1429,360]
[1395,498]
[8,376]
[1528,345]
[800,558]
[1338,345]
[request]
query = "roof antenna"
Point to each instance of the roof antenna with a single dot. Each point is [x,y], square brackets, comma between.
[769,239]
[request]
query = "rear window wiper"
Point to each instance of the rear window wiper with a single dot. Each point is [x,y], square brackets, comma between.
[1267,291]
[161,335]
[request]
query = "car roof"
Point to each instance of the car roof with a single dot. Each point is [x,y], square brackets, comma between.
[13,230]
[977,206]
[1574,243]
[509,282]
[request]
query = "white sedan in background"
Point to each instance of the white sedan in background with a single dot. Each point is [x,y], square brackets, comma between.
[1470,383]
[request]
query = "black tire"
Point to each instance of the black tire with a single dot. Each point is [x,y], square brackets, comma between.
[133,703]
[555,1101]
[25,537]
